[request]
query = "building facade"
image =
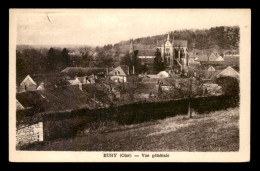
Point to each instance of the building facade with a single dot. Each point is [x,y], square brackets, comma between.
[174,52]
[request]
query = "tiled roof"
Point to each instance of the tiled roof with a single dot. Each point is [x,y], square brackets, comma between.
[208,74]
[125,68]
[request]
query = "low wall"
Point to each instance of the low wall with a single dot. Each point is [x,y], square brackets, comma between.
[68,123]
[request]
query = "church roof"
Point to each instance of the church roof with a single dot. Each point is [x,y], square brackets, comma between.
[181,43]
[146,52]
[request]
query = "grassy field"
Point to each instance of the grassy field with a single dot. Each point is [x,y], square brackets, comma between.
[216,131]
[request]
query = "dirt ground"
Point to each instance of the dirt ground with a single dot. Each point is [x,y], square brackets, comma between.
[216,131]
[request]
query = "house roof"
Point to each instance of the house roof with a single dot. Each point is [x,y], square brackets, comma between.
[208,74]
[211,68]
[229,71]
[28,78]
[219,58]
[82,79]
[19,106]
[209,57]
[125,68]
[122,68]
[76,81]
[212,57]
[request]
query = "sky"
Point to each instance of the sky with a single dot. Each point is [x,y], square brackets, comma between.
[97,27]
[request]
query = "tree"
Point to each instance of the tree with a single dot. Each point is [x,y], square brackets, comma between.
[159,64]
[65,58]
[51,60]
[132,60]
[186,88]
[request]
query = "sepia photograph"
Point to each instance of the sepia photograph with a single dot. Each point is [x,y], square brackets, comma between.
[129,85]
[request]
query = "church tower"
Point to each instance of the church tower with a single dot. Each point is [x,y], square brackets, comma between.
[131,54]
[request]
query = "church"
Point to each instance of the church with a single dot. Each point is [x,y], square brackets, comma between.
[174,52]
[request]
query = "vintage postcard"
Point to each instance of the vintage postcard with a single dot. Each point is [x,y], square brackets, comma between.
[129,85]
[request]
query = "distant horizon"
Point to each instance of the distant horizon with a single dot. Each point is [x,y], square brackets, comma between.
[99,27]
[59,45]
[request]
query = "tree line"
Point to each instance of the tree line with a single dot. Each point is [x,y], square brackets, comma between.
[223,37]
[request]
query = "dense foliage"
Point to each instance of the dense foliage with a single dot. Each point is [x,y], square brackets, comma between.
[221,37]
[159,63]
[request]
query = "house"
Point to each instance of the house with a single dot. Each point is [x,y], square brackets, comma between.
[91,79]
[219,58]
[75,81]
[212,75]
[83,80]
[209,57]
[211,68]
[28,84]
[119,73]
[228,72]
[41,86]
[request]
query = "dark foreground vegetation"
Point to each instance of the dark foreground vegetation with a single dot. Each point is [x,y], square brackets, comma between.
[214,131]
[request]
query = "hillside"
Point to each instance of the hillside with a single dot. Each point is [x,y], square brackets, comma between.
[219,38]
[216,131]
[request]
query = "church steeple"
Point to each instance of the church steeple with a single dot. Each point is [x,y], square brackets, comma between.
[168,38]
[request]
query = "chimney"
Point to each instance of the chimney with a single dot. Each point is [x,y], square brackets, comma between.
[107,70]
[133,69]
[128,70]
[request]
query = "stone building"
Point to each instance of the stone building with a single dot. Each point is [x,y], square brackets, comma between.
[175,53]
